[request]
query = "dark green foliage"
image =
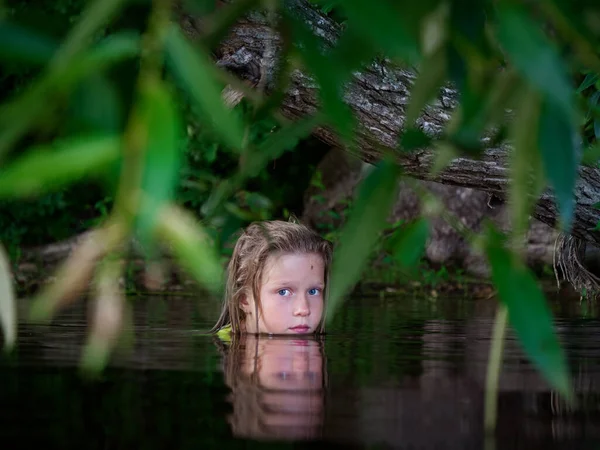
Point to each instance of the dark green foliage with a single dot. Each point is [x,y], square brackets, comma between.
[95,88]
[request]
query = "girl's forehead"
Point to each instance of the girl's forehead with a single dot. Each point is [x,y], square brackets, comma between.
[294,264]
[293,259]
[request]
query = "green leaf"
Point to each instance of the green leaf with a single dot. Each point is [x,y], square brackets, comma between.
[8,309]
[569,20]
[96,15]
[49,167]
[382,24]
[332,73]
[589,80]
[191,246]
[24,45]
[468,26]
[367,219]
[19,115]
[163,153]
[528,313]
[223,19]
[534,56]
[591,155]
[408,242]
[198,75]
[256,159]
[96,106]
[525,164]
[557,139]
[414,139]
[275,144]
[431,76]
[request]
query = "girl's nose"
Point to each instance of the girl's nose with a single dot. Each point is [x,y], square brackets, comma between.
[301,307]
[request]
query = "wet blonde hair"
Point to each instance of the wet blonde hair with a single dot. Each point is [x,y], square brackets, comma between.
[244,272]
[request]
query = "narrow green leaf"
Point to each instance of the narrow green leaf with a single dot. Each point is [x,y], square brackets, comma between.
[256,159]
[191,246]
[528,313]
[468,23]
[107,317]
[570,21]
[525,164]
[20,114]
[408,242]
[591,155]
[163,153]
[534,55]
[96,106]
[557,138]
[332,74]
[414,139]
[113,49]
[277,143]
[382,23]
[589,80]
[96,15]
[431,76]
[367,219]
[197,74]
[223,19]
[24,45]
[8,309]
[49,167]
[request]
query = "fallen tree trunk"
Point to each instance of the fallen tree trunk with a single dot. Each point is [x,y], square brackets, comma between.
[379,96]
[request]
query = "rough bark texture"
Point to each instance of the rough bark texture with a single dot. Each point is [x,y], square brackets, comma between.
[378,96]
[340,173]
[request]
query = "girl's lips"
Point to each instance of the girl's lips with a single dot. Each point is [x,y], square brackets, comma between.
[300,328]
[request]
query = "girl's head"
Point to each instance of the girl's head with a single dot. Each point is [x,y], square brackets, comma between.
[276,280]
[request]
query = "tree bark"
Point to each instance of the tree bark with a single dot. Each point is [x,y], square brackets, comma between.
[378,96]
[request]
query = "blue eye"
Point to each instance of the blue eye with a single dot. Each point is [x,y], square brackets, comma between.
[283,292]
[313,291]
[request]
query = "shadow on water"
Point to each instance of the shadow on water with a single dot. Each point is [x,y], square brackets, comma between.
[391,373]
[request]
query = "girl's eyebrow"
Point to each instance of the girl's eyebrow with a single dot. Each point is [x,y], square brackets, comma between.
[289,283]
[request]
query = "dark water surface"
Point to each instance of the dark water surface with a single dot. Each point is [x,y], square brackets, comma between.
[391,373]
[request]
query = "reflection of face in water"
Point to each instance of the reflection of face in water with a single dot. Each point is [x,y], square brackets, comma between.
[277,387]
